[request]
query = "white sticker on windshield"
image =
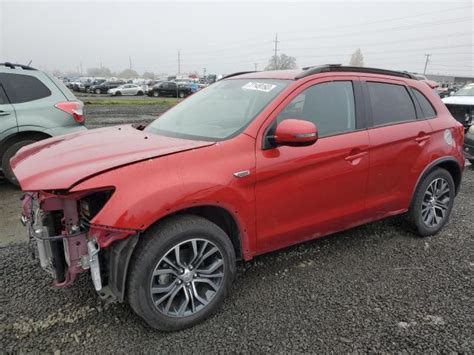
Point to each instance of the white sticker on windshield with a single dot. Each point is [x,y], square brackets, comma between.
[259,86]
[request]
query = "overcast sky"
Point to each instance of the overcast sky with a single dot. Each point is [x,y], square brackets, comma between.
[230,36]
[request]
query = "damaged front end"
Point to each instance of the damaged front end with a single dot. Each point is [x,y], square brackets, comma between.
[68,243]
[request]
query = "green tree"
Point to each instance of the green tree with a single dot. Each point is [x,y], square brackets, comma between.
[148,75]
[281,62]
[102,71]
[128,74]
[357,59]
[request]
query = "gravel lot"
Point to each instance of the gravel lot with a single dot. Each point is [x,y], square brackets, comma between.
[370,289]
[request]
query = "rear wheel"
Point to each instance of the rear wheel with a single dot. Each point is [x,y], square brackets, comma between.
[156,94]
[9,153]
[471,161]
[432,203]
[97,91]
[140,93]
[181,94]
[180,272]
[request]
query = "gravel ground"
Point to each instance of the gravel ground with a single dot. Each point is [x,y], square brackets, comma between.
[370,289]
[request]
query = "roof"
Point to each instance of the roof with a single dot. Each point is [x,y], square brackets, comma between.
[299,74]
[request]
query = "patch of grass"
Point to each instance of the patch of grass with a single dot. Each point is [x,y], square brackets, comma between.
[129,102]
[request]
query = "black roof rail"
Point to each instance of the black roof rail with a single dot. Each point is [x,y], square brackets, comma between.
[238,73]
[340,68]
[13,66]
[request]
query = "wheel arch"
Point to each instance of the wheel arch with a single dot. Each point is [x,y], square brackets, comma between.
[16,137]
[448,163]
[218,215]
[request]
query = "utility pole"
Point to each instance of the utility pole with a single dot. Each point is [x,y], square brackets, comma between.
[276,44]
[179,61]
[81,68]
[130,62]
[203,72]
[426,62]
[255,65]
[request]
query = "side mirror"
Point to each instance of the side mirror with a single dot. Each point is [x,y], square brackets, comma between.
[296,133]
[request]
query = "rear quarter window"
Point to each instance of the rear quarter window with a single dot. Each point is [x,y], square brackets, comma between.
[23,88]
[427,109]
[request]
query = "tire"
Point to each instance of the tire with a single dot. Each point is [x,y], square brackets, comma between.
[9,153]
[178,302]
[156,94]
[423,206]
[140,93]
[118,93]
[97,91]
[471,161]
[181,95]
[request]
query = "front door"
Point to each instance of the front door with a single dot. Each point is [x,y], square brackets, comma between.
[306,192]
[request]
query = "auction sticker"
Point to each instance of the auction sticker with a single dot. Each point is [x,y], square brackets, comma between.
[259,86]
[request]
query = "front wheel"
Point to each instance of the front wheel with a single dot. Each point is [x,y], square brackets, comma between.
[432,203]
[180,272]
[156,94]
[181,94]
[97,91]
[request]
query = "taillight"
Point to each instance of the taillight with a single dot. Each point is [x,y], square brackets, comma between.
[74,108]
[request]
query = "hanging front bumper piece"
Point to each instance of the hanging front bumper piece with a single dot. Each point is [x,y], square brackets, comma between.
[68,244]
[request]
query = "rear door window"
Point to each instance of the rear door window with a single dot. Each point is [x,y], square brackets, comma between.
[23,88]
[390,103]
[427,109]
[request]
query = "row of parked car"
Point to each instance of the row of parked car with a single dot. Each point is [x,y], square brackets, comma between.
[154,88]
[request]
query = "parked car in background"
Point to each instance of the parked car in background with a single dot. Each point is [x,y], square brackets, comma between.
[86,85]
[469,144]
[461,105]
[151,86]
[170,89]
[127,89]
[104,87]
[160,215]
[34,105]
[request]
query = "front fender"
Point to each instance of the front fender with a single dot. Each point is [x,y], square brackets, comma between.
[150,190]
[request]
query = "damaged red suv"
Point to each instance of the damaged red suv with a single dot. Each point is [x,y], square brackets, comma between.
[253,163]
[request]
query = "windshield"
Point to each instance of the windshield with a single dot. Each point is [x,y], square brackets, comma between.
[468,90]
[219,111]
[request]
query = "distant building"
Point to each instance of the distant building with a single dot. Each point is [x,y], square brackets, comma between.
[450,78]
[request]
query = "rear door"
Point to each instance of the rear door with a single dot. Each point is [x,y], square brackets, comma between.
[8,123]
[398,140]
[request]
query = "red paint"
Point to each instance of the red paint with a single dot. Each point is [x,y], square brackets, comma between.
[292,193]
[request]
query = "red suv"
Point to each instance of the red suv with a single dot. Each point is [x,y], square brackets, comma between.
[253,163]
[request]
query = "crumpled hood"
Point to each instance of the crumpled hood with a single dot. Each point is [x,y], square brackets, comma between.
[58,163]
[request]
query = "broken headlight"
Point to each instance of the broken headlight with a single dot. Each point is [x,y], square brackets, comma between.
[91,204]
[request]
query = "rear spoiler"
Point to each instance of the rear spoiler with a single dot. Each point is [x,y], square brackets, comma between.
[432,84]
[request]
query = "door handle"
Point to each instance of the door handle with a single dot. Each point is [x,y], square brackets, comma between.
[4,113]
[422,138]
[355,156]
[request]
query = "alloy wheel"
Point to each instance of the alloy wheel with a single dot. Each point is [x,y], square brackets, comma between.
[187,278]
[435,204]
